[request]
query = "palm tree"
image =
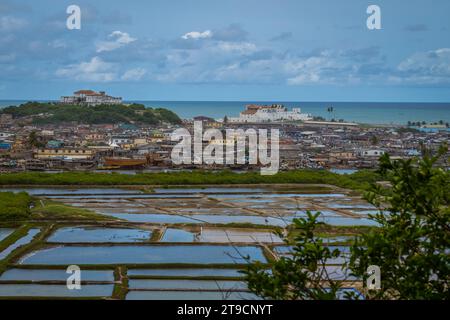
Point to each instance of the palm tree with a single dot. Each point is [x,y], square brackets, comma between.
[330,110]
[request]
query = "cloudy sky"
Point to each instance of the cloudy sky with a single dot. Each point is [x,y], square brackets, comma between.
[294,50]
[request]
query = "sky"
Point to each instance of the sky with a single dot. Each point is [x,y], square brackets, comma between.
[266,50]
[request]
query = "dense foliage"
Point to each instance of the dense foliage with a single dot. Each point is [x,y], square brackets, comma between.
[14,206]
[45,113]
[359,180]
[301,276]
[410,245]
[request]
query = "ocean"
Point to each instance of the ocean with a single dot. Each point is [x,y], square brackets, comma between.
[360,112]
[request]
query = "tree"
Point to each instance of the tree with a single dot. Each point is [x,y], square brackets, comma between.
[34,140]
[410,244]
[374,140]
[330,110]
[225,120]
[304,275]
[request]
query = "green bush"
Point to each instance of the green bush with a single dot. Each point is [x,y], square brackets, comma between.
[357,181]
[45,113]
[14,206]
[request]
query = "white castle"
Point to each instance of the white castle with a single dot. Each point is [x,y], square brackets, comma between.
[272,113]
[90,98]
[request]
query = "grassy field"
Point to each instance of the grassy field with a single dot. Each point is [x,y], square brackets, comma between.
[21,207]
[357,181]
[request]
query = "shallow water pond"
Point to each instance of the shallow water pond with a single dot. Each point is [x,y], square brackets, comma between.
[279,195]
[59,191]
[124,196]
[142,254]
[152,217]
[51,290]
[177,235]
[286,251]
[87,234]
[350,206]
[209,190]
[190,295]
[5,232]
[261,220]
[210,272]
[22,241]
[341,221]
[54,275]
[220,235]
[163,284]
[323,213]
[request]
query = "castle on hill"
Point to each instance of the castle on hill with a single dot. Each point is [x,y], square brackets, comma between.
[264,113]
[90,98]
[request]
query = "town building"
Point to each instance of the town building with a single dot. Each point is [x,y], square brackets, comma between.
[65,153]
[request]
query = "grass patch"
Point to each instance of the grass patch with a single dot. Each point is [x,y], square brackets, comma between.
[121,286]
[51,210]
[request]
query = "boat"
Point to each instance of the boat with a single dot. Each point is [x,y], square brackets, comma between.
[125,162]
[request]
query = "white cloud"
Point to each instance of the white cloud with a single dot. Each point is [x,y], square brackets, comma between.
[58,43]
[9,23]
[134,74]
[118,40]
[431,68]
[198,35]
[240,47]
[95,70]
[435,62]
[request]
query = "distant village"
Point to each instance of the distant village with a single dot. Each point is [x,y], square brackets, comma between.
[305,141]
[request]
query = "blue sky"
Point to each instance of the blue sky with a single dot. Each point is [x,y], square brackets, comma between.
[284,50]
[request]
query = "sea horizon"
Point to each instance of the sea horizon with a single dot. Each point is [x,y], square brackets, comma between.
[393,113]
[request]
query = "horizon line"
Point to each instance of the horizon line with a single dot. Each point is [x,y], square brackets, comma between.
[250,100]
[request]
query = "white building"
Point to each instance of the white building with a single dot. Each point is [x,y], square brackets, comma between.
[275,112]
[90,97]
[372,153]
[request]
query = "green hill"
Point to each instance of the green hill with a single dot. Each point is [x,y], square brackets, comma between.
[52,113]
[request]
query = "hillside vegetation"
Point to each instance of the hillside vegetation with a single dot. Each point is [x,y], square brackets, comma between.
[51,113]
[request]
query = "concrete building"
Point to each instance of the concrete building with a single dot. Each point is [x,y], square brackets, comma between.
[65,154]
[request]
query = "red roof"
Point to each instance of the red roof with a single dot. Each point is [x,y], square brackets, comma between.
[86,92]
